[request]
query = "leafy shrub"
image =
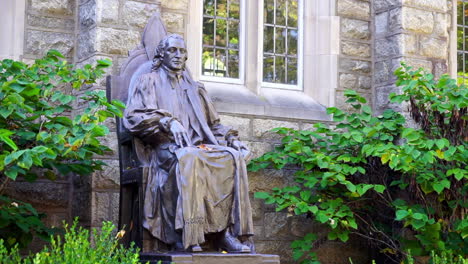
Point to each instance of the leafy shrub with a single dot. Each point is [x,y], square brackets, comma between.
[18,219]
[371,176]
[76,247]
[39,136]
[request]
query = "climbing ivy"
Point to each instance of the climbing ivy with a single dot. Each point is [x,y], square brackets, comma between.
[371,176]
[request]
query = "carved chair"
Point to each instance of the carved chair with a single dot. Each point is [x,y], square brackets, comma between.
[133,161]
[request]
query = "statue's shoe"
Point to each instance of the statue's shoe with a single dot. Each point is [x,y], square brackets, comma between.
[195,248]
[231,244]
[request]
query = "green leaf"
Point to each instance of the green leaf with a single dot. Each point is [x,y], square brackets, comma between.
[401,214]
[261,195]
[379,188]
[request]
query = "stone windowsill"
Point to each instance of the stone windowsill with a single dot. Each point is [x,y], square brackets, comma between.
[271,103]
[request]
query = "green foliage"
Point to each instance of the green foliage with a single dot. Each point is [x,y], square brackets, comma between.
[78,246]
[18,221]
[36,127]
[355,176]
[45,131]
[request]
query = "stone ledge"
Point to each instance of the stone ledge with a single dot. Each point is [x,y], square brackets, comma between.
[272,103]
[209,258]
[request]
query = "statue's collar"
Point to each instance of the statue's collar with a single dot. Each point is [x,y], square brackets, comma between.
[173,74]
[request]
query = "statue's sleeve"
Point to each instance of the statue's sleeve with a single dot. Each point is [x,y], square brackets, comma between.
[220,131]
[142,116]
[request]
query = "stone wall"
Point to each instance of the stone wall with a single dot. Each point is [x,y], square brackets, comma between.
[108,29]
[413,31]
[355,61]
[373,35]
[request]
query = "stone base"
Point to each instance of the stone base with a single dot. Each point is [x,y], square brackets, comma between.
[208,258]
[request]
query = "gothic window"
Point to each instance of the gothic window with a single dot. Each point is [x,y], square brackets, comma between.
[281,42]
[221,41]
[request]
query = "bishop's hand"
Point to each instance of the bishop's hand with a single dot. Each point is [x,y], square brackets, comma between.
[180,134]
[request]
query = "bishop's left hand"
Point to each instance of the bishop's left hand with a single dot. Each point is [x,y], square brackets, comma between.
[242,148]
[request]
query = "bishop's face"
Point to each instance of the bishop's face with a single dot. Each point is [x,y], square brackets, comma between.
[175,54]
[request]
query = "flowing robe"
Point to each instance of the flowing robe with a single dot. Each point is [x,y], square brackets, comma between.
[190,191]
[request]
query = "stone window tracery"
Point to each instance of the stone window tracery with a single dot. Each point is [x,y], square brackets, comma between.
[281,39]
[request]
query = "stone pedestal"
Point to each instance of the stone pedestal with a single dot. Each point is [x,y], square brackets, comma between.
[209,258]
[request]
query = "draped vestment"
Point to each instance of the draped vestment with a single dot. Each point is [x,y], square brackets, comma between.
[190,191]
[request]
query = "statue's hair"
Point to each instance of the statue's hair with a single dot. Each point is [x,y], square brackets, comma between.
[161,48]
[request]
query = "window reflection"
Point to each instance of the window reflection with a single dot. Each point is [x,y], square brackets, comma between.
[221,38]
[280,41]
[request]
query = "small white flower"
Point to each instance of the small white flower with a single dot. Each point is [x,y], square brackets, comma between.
[332,221]
[15,204]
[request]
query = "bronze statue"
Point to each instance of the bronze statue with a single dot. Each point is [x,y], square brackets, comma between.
[197,183]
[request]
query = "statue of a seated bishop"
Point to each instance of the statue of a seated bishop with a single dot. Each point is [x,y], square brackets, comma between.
[197,183]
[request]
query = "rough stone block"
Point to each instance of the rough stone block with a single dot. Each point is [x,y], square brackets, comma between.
[348,81]
[353,8]
[357,66]
[109,177]
[301,225]
[276,225]
[266,180]
[114,208]
[434,48]
[137,14]
[440,68]
[87,15]
[174,22]
[171,4]
[262,128]
[277,247]
[257,210]
[258,148]
[381,72]
[39,42]
[415,63]
[365,82]
[418,21]
[51,22]
[381,23]
[355,29]
[107,11]
[55,7]
[339,252]
[435,5]
[441,26]
[381,97]
[100,206]
[356,49]
[239,123]
[86,44]
[44,194]
[116,41]
[387,47]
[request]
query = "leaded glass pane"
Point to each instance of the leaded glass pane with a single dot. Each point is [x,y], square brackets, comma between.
[268,39]
[281,12]
[291,71]
[280,41]
[221,38]
[292,13]
[268,69]
[269,12]
[208,31]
